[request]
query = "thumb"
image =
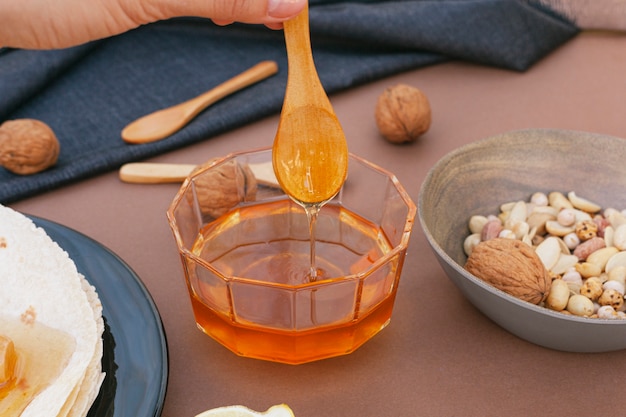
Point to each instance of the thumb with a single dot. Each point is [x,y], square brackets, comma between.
[270,12]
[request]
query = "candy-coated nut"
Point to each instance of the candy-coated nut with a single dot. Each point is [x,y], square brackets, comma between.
[611,298]
[586,229]
[592,289]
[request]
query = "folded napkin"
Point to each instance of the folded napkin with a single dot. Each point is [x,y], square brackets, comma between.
[87,94]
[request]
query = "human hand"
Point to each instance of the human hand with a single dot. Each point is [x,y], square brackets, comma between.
[42,24]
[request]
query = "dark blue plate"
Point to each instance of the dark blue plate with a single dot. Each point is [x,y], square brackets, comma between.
[135,349]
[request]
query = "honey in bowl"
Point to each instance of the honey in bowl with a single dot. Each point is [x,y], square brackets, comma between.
[274,250]
[248,270]
[32,356]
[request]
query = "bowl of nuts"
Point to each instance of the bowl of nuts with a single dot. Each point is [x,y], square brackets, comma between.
[530,226]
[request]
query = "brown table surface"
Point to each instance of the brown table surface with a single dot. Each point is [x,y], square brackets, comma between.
[439,356]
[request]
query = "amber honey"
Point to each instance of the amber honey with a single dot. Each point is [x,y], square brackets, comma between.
[40,355]
[292,347]
[252,291]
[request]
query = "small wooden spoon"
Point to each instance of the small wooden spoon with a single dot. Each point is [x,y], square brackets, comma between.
[310,153]
[163,123]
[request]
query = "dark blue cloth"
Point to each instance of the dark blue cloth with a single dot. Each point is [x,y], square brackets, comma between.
[87,94]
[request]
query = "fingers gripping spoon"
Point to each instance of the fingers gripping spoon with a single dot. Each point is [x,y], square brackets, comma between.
[310,153]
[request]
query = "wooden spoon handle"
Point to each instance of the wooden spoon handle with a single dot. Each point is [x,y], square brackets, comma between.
[154,173]
[253,75]
[163,123]
[163,173]
[303,83]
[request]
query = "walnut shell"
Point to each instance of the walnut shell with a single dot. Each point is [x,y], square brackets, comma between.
[27,146]
[403,113]
[511,266]
[221,188]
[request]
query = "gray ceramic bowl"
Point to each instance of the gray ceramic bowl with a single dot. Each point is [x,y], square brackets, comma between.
[477,178]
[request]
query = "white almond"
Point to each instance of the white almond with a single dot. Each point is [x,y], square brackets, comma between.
[619,259]
[602,256]
[549,252]
[616,219]
[557,229]
[553,211]
[619,237]
[582,203]
[564,263]
[559,201]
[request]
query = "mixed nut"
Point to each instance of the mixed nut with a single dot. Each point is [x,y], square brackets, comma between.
[402,113]
[27,146]
[223,187]
[581,247]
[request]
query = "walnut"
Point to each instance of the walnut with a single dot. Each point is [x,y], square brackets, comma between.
[27,146]
[403,113]
[511,266]
[221,188]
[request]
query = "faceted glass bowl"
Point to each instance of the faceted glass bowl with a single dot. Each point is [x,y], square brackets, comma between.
[244,246]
